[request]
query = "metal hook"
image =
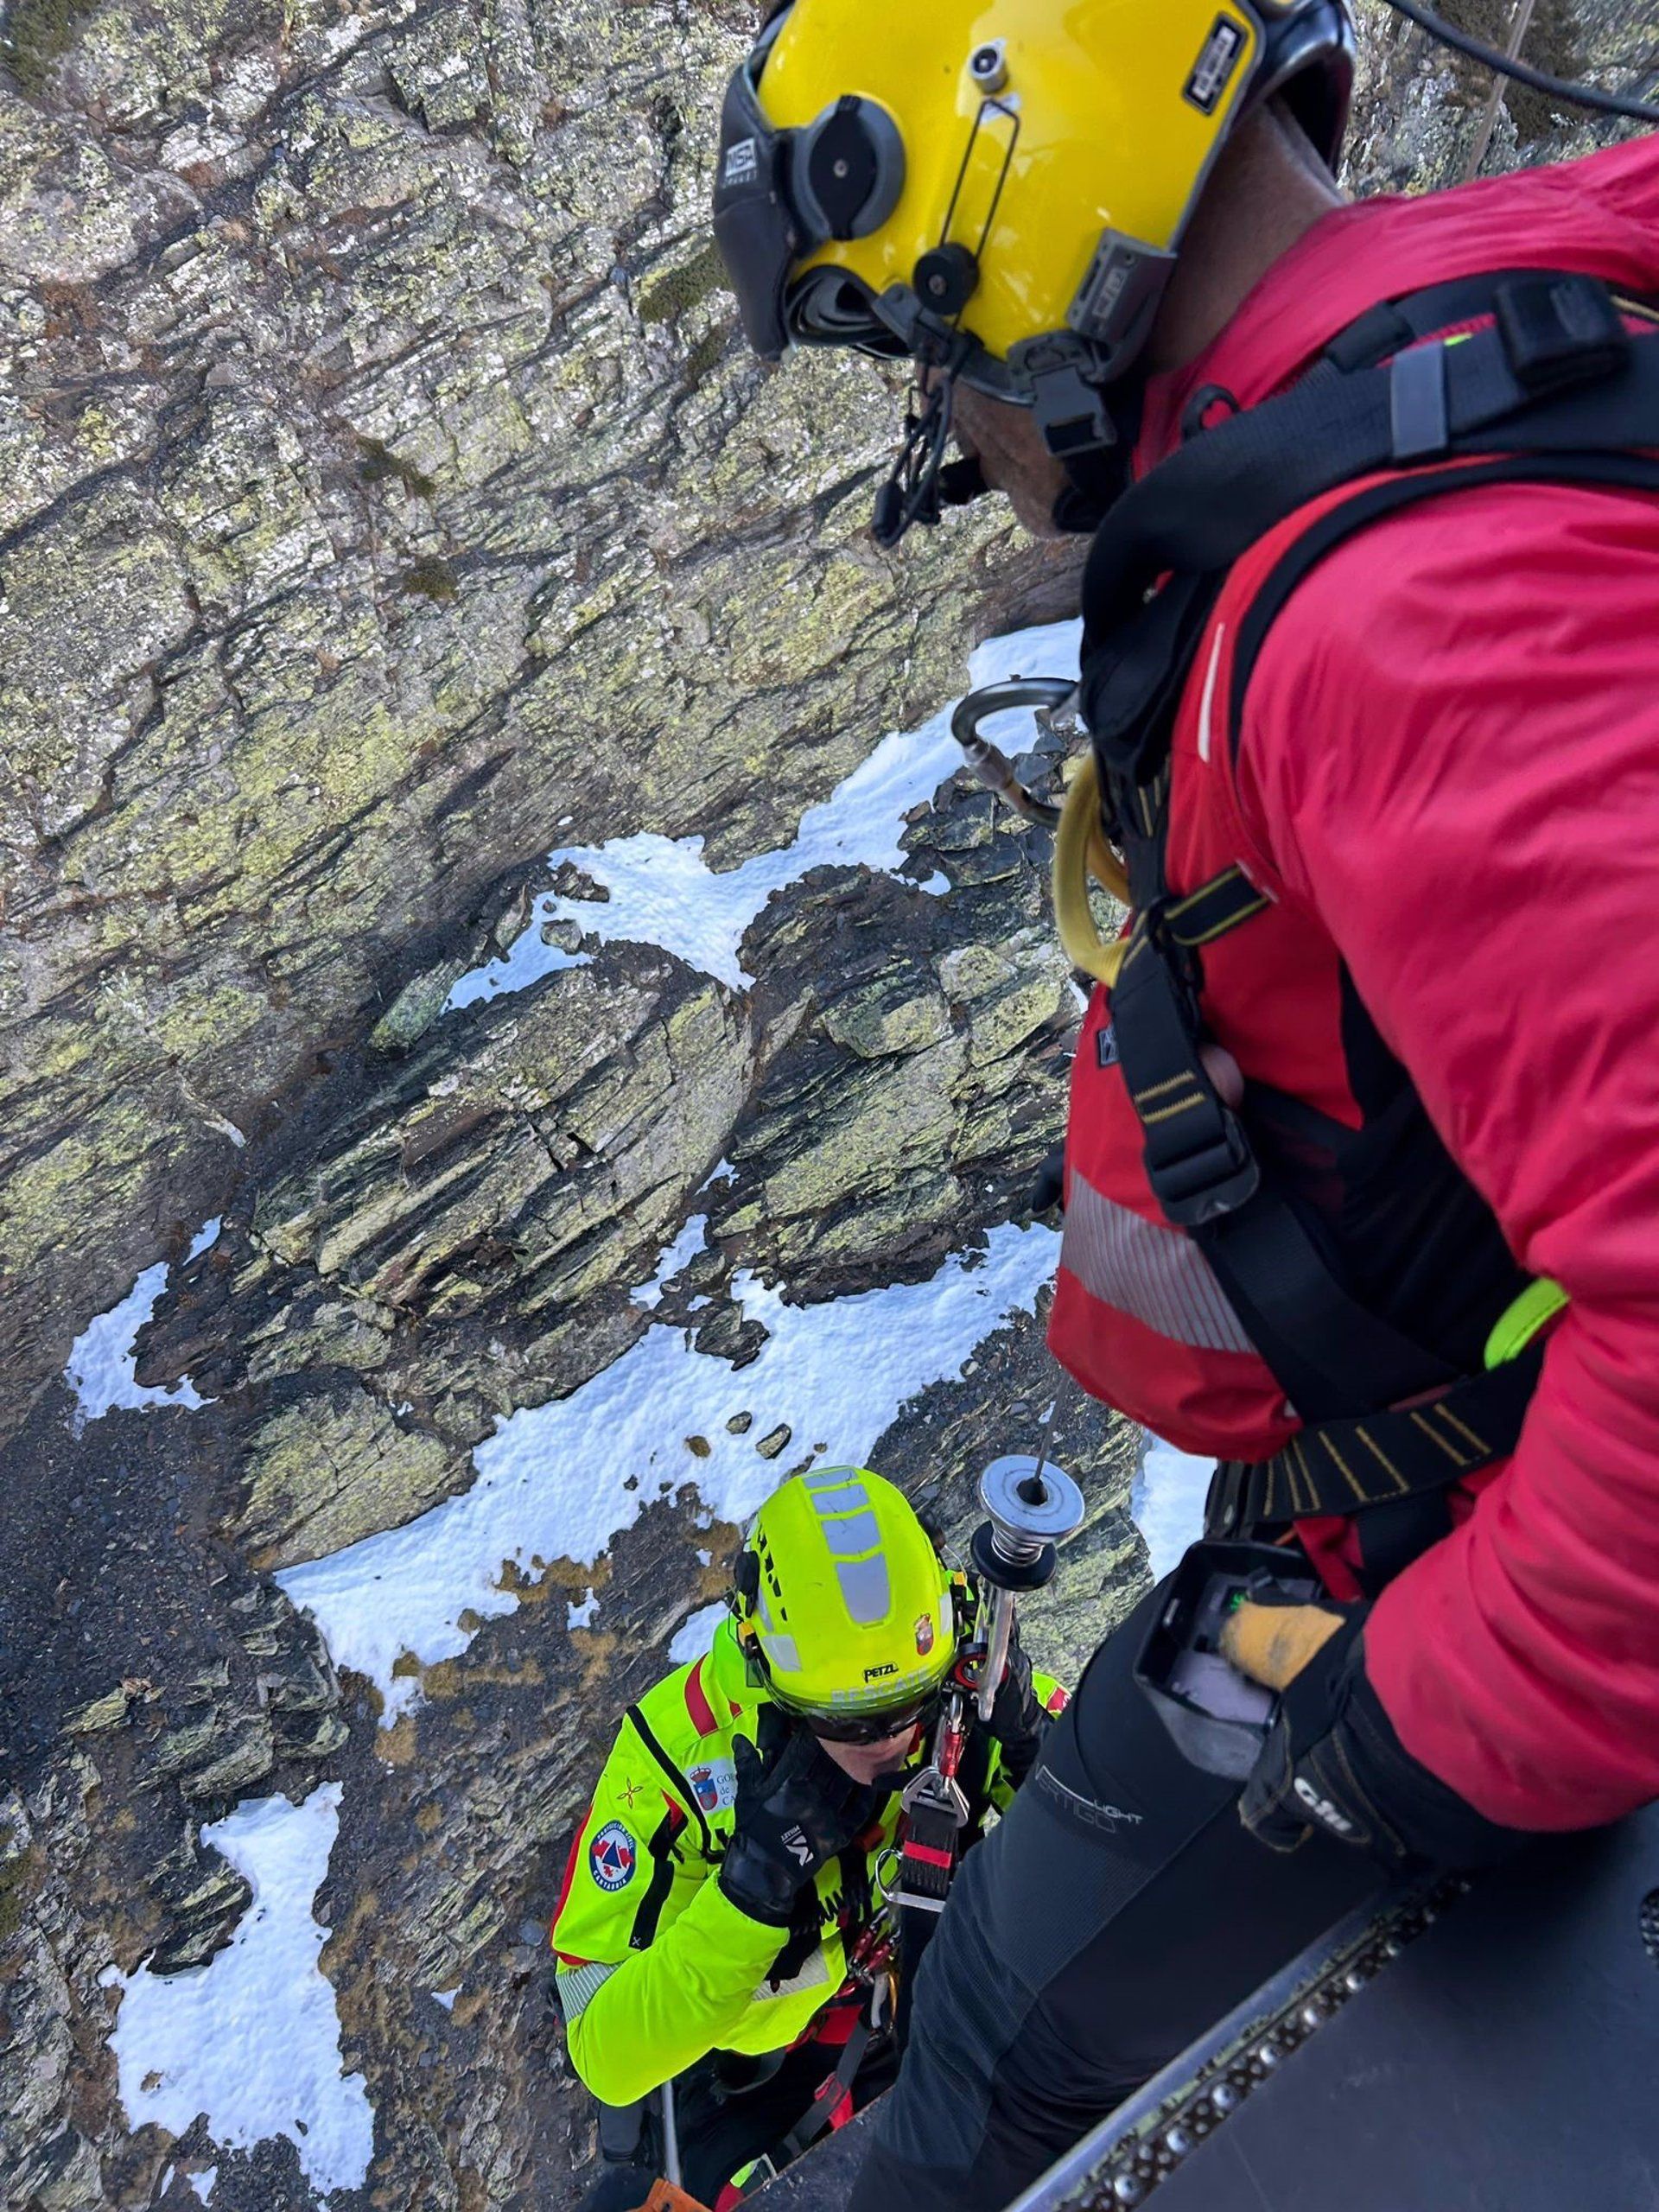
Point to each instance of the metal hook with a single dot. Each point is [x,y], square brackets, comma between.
[1054,697]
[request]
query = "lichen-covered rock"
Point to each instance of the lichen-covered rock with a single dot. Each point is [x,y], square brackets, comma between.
[322,1472]
[1421,109]
[385,491]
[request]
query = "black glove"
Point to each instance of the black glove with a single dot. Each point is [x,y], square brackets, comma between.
[793,1812]
[1018,1722]
[1333,1762]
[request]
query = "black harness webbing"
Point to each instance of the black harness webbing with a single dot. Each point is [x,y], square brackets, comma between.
[827,2097]
[1345,1466]
[1557,373]
[1554,389]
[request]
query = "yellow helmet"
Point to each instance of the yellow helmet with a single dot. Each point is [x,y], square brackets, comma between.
[844,1608]
[997,189]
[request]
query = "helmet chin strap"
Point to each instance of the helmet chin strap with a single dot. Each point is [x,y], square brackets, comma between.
[912,492]
[922,483]
[1100,476]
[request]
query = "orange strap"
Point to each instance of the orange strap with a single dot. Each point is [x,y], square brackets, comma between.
[666,2197]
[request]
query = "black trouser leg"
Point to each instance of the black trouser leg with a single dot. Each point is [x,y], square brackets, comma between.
[1119,1909]
[723,2127]
[718,2138]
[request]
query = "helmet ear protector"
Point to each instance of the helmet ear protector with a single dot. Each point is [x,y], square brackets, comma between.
[741,1600]
[746,1583]
[781,193]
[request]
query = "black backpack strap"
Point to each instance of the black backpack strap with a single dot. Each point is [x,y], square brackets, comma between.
[1557,373]
[1556,383]
[1330,1353]
[1392,325]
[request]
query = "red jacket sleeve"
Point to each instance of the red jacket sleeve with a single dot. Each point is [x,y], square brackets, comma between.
[1451,752]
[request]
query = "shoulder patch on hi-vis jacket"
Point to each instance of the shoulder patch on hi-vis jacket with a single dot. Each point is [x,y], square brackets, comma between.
[612,1857]
[714,1784]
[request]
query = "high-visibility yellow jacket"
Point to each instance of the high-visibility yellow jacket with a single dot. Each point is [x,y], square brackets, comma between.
[655,1967]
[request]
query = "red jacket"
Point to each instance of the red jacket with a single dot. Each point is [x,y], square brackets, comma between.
[1448,783]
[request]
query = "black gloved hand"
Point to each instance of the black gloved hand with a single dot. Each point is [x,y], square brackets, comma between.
[1018,1722]
[1333,1762]
[793,1812]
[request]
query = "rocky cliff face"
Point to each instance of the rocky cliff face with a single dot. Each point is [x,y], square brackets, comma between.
[387,503]
[384,490]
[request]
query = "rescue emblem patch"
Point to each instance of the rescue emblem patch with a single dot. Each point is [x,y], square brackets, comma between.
[613,1856]
[925,1634]
[714,1784]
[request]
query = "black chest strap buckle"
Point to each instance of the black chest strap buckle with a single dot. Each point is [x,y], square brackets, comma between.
[1559,331]
[1198,1161]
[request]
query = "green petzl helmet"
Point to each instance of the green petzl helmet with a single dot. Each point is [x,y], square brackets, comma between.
[843,1605]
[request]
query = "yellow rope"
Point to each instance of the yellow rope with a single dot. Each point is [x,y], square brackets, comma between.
[1080,851]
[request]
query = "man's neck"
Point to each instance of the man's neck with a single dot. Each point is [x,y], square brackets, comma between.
[1268,191]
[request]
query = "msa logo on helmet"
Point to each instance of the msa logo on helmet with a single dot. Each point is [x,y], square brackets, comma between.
[612,1857]
[1321,1808]
[875,1673]
[743,163]
[1213,70]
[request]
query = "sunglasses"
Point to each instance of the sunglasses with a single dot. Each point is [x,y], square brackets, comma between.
[869,1727]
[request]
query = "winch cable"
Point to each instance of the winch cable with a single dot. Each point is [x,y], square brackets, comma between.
[1522,73]
[1033,1506]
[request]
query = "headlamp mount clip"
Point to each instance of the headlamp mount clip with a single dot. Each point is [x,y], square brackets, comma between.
[746,1584]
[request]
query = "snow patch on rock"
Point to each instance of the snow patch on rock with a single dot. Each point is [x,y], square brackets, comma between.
[663,893]
[678,1257]
[252,2038]
[102,1366]
[562,1481]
